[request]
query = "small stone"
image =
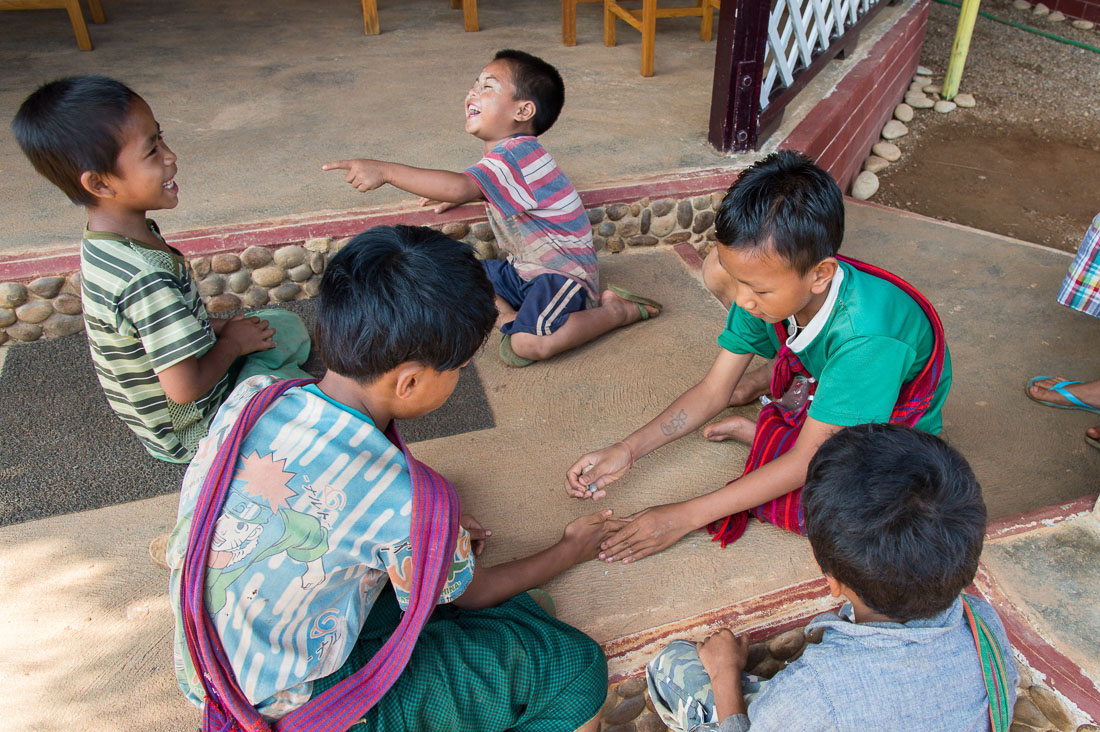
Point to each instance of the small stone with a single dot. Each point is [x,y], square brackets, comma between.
[1022,5]
[646,220]
[3,337]
[59,326]
[888,151]
[34,312]
[610,702]
[290,256]
[757,653]
[815,635]
[213,284]
[893,129]
[700,202]
[222,303]
[767,668]
[943,106]
[66,304]
[678,237]
[636,209]
[317,262]
[716,199]
[482,232]
[615,244]
[875,164]
[966,101]
[225,263]
[643,240]
[301,273]
[662,207]
[286,293]
[322,243]
[1017,727]
[918,101]
[485,249]
[12,294]
[74,283]
[922,79]
[1056,17]
[239,282]
[454,229]
[1088,728]
[1051,707]
[626,710]
[338,244]
[684,214]
[256,257]
[25,332]
[632,687]
[268,276]
[924,71]
[1025,712]
[649,704]
[616,211]
[932,89]
[312,287]
[7,317]
[662,226]
[629,228]
[255,297]
[1040,9]
[650,722]
[1083,24]
[46,287]
[903,113]
[785,645]
[865,185]
[200,266]
[595,215]
[598,242]
[915,88]
[703,221]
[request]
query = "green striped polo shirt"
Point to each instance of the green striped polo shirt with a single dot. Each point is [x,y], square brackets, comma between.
[143,314]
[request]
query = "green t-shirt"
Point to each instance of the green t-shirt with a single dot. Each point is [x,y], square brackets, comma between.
[868,339]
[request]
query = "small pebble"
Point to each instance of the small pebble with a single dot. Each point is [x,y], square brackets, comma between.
[865,185]
[919,101]
[924,71]
[903,113]
[875,164]
[922,80]
[1083,24]
[932,89]
[1040,9]
[1056,17]
[632,687]
[893,129]
[1021,5]
[888,151]
[964,100]
[943,106]
[626,710]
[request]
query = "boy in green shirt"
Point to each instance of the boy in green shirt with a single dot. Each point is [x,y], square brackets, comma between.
[852,344]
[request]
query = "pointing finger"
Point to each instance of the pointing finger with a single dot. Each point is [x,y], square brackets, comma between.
[337,165]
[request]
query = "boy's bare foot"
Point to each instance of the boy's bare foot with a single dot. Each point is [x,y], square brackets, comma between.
[627,310]
[753,385]
[1088,392]
[735,428]
[1092,436]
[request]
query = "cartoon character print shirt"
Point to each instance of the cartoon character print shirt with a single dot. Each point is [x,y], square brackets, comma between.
[317,518]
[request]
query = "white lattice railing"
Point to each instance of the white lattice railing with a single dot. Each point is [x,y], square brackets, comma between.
[800,30]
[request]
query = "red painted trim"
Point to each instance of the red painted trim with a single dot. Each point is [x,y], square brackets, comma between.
[1039,518]
[687,253]
[1062,675]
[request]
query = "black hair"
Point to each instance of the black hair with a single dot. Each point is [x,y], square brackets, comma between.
[402,293]
[538,82]
[786,202]
[73,125]
[897,515]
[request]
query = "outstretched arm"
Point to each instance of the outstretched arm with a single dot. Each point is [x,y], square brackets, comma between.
[438,185]
[691,409]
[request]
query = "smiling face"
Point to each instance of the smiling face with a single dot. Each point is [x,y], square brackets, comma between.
[144,175]
[492,110]
[769,288]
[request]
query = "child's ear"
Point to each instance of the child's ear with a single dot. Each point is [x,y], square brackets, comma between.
[96,184]
[835,588]
[823,273]
[525,112]
[409,375]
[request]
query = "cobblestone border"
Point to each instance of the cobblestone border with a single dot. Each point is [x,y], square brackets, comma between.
[257,276]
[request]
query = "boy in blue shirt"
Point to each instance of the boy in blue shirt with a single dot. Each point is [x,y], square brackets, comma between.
[896,521]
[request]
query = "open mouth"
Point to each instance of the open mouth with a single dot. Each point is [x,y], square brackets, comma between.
[171,185]
[472,110]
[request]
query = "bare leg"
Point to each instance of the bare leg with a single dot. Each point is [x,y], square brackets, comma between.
[505,312]
[581,327]
[735,428]
[592,725]
[722,286]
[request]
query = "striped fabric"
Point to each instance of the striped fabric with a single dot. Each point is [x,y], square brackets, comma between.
[1081,287]
[435,515]
[993,662]
[142,313]
[777,429]
[536,213]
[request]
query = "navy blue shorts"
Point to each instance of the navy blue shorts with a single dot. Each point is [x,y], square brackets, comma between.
[542,304]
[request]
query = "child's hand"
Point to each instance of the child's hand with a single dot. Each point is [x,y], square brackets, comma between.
[364,175]
[724,653]
[478,535]
[608,465]
[584,534]
[249,334]
[439,206]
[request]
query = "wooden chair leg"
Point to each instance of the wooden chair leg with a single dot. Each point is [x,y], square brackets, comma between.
[649,35]
[569,22]
[97,11]
[371,26]
[76,17]
[706,27]
[608,24]
[469,15]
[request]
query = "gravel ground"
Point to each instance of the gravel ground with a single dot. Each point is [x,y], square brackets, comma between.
[1023,162]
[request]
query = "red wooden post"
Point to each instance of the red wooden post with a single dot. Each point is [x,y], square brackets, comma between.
[738,70]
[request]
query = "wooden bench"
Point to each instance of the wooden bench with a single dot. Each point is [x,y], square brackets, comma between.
[371,26]
[76,16]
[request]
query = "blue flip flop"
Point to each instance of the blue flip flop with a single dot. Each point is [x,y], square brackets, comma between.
[1060,388]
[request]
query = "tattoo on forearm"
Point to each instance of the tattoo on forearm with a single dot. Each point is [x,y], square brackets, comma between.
[675,423]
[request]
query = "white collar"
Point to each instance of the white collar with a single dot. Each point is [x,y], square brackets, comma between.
[803,336]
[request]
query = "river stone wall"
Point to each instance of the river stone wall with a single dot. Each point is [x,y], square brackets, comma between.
[258,276]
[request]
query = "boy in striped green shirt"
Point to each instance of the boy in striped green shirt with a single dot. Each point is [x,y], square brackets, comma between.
[164,364]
